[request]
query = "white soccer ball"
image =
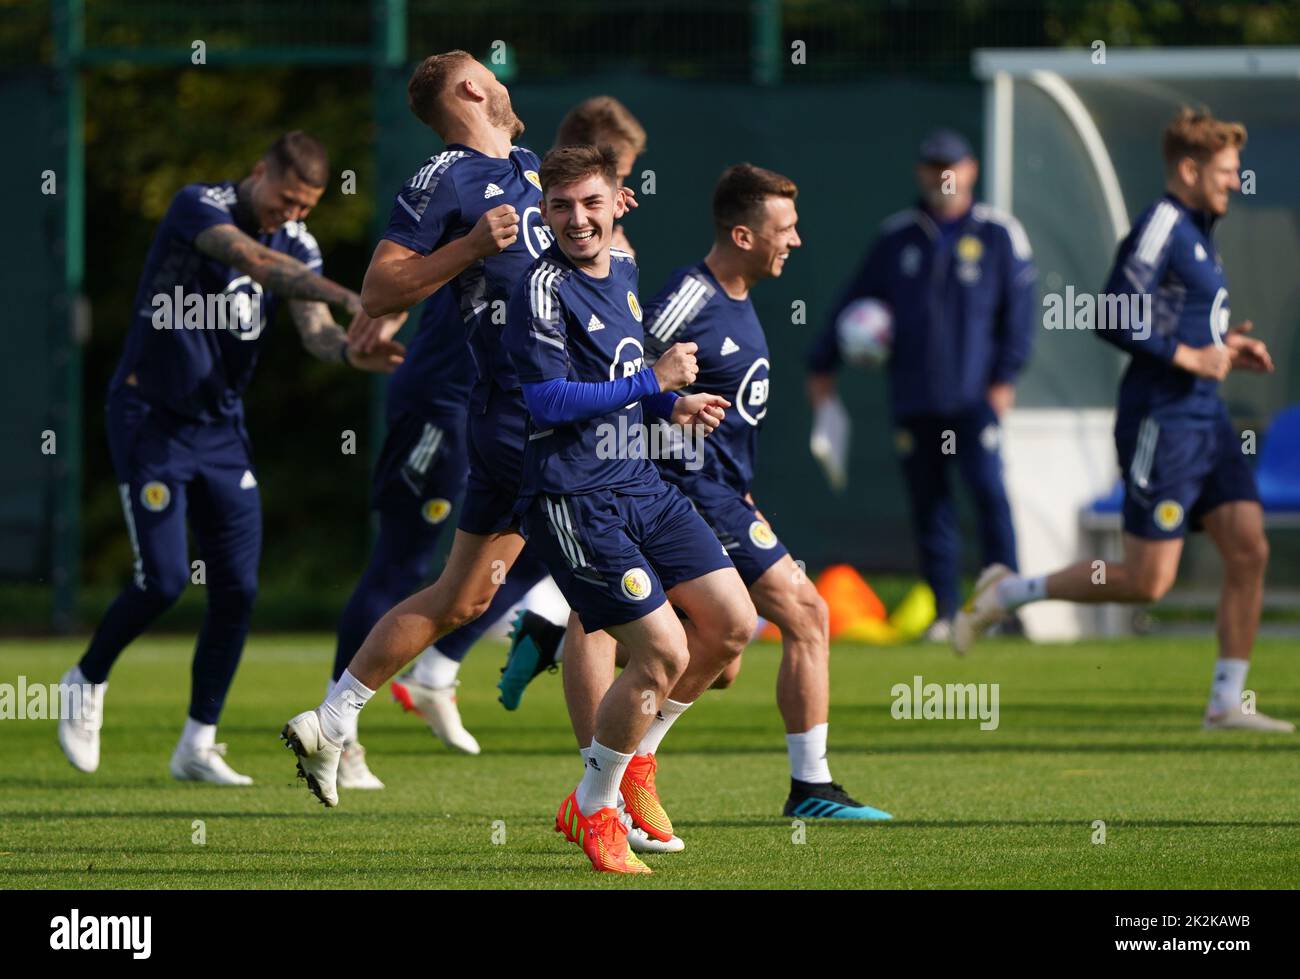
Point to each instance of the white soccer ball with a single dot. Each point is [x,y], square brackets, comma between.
[866,332]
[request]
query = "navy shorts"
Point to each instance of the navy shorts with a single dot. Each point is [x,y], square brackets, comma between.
[614,556]
[497,436]
[422,466]
[173,472]
[745,536]
[1174,476]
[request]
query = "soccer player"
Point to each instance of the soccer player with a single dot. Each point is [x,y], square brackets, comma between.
[959,280]
[421,475]
[223,256]
[1179,454]
[708,305]
[598,121]
[620,543]
[470,220]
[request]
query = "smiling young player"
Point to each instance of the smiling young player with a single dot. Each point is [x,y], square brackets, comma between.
[708,305]
[620,543]
[422,470]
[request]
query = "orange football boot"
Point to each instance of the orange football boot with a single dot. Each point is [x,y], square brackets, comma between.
[602,836]
[641,799]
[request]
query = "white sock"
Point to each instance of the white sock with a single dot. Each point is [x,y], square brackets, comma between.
[808,754]
[197,736]
[1229,680]
[339,712]
[669,711]
[601,778]
[433,669]
[559,650]
[1015,590]
[352,735]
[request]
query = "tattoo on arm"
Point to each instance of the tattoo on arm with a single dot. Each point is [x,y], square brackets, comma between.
[280,273]
[321,336]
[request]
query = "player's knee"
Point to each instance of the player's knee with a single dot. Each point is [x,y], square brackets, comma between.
[736,625]
[463,611]
[664,664]
[1248,555]
[810,621]
[165,586]
[235,597]
[1152,584]
[728,675]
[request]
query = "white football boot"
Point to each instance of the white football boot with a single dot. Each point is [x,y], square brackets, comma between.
[437,705]
[354,773]
[639,841]
[981,610]
[79,736]
[190,764]
[1236,719]
[318,756]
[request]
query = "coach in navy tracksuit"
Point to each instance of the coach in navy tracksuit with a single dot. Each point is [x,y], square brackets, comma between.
[959,280]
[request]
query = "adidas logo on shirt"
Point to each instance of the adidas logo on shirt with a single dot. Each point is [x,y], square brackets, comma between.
[248,481]
[594,324]
[729,346]
[492,190]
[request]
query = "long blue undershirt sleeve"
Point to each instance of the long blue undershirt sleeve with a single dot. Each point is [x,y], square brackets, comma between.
[661,405]
[561,402]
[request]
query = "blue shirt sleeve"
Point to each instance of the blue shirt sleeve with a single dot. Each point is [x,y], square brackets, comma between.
[661,405]
[303,246]
[535,335]
[561,402]
[1141,262]
[1015,323]
[195,208]
[424,209]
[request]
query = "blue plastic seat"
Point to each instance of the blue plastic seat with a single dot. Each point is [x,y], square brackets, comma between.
[1278,473]
[1112,503]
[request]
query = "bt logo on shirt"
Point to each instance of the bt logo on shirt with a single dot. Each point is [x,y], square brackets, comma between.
[633,365]
[751,397]
[537,236]
[243,314]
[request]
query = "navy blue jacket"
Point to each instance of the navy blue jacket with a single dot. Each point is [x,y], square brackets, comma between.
[963,307]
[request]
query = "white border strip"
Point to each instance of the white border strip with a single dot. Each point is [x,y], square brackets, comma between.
[1140,62]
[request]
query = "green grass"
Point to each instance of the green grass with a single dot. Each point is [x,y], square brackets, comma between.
[1093,731]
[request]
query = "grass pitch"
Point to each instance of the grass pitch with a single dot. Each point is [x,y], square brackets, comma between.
[1096,731]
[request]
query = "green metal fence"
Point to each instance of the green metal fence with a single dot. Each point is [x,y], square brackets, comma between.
[833,92]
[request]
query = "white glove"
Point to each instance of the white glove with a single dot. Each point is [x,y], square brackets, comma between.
[830,441]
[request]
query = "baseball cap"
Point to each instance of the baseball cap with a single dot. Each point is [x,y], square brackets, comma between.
[944,146]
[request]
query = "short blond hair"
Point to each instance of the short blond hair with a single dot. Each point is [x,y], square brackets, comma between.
[428,83]
[602,121]
[1196,133]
